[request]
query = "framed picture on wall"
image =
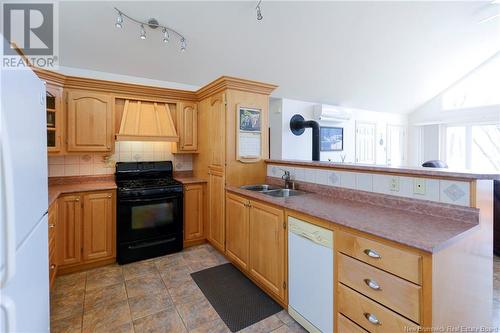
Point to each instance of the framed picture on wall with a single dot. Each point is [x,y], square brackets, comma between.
[248,134]
[331,138]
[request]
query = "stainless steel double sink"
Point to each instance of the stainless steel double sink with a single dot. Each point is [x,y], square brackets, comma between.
[273,191]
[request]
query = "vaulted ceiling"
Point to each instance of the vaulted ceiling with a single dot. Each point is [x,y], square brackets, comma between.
[382,56]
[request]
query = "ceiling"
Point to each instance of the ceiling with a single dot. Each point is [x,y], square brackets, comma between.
[382,56]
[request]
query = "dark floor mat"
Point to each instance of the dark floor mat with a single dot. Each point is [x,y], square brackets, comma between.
[237,300]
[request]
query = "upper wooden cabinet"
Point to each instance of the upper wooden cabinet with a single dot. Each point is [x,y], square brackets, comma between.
[55,119]
[216,130]
[89,121]
[186,119]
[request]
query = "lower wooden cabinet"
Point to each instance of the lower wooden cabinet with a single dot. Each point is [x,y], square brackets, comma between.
[194,214]
[98,226]
[216,186]
[52,224]
[267,247]
[255,242]
[237,229]
[86,232]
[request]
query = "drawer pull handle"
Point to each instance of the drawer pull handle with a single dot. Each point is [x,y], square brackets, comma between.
[372,284]
[52,225]
[372,254]
[372,318]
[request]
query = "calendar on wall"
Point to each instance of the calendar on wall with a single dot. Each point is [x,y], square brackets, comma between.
[248,134]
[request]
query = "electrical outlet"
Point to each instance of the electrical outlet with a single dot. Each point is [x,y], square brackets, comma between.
[419,186]
[394,184]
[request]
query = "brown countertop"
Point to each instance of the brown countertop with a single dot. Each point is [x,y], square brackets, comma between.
[57,188]
[410,171]
[190,180]
[421,231]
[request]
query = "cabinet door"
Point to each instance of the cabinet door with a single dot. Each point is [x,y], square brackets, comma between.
[193,212]
[217,130]
[90,121]
[98,225]
[52,222]
[267,247]
[54,111]
[216,208]
[237,216]
[69,230]
[187,123]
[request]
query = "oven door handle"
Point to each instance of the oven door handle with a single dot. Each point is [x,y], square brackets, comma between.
[149,199]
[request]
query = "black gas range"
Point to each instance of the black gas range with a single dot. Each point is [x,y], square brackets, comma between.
[149,210]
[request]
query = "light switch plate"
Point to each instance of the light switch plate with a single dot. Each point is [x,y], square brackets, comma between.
[419,186]
[394,184]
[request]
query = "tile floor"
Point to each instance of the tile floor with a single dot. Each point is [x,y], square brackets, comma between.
[155,295]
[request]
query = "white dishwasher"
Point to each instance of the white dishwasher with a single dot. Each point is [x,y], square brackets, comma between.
[310,275]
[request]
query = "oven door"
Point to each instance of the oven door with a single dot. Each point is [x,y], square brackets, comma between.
[146,218]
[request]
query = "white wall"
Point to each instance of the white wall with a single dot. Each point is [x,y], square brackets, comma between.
[286,145]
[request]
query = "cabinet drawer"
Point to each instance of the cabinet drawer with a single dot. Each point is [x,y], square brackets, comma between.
[398,294]
[401,263]
[344,325]
[370,315]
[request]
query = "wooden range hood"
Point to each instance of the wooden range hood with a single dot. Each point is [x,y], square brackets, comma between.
[146,121]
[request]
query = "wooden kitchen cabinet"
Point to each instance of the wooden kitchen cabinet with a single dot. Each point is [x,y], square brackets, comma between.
[237,228]
[98,226]
[52,224]
[193,214]
[86,233]
[69,231]
[90,121]
[187,128]
[255,242]
[217,130]
[216,188]
[55,119]
[267,247]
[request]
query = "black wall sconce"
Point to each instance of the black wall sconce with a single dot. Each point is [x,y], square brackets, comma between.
[298,125]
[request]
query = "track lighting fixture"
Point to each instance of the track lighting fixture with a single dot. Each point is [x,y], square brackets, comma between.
[259,11]
[152,24]
[119,20]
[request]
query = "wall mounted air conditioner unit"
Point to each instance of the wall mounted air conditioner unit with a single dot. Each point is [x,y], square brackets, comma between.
[331,113]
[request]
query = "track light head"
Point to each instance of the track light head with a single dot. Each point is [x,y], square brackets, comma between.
[143,32]
[183,44]
[259,11]
[166,36]
[119,20]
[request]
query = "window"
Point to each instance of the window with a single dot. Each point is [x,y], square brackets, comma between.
[475,147]
[478,89]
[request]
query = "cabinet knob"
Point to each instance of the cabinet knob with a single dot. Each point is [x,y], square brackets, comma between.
[77,199]
[52,266]
[52,225]
[372,284]
[372,318]
[372,254]
[109,196]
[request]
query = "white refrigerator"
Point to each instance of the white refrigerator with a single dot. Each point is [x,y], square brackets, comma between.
[24,276]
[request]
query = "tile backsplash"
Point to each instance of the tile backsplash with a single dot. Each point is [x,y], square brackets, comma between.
[125,151]
[438,190]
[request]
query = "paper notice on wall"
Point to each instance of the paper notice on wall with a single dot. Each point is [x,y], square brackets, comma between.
[249,145]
